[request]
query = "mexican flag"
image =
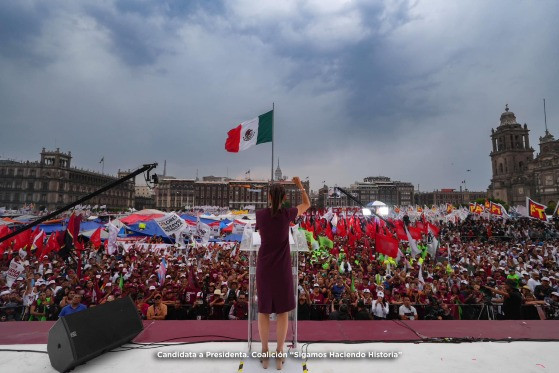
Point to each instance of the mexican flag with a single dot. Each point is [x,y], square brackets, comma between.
[252,132]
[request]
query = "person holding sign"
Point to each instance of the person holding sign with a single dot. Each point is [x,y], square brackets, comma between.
[273,267]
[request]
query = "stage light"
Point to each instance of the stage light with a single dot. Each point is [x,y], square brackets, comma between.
[367,212]
[382,210]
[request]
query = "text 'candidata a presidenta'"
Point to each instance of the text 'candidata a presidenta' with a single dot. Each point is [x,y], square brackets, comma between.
[293,354]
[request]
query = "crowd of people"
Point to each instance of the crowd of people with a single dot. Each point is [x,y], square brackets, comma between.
[483,269]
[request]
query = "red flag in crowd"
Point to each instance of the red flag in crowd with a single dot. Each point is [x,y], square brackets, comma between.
[72,231]
[433,228]
[387,245]
[329,232]
[400,231]
[371,230]
[38,242]
[96,238]
[357,228]
[421,226]
[414,232]
[4,231]
[52,244]
[23,239]
[341,229]
[317,228]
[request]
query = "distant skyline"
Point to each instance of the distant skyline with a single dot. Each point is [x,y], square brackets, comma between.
[141,182]
[408,89]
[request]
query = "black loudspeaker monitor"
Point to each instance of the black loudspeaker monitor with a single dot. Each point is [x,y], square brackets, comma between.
[81,336]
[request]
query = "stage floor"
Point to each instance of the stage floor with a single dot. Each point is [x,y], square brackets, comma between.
[312,331]
[515,346]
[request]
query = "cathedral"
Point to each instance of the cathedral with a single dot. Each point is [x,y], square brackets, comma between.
[516,173]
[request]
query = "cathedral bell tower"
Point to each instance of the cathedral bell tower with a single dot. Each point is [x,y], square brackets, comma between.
[509,160]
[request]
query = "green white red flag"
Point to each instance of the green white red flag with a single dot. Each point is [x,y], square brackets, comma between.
[252,132]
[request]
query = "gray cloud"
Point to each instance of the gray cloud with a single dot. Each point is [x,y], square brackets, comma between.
[407,89]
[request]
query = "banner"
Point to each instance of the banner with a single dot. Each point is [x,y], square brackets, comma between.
[171,224]
[145,246]
[536,210]
[15,270]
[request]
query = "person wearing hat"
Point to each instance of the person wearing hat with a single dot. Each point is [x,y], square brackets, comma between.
[304,305]
[362,311]
[367,298]
[318,302]
[534,281]
[157,311]
[216,303]
[231,296]
[553,303]
[513,276]
[379,307]
[543,290]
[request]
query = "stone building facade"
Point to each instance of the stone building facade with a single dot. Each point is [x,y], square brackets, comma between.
[444,196]
[180,194]
[52,183]
[516,173]
[373,188]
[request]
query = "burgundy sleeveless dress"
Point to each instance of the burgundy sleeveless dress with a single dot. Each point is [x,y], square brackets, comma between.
[274,281]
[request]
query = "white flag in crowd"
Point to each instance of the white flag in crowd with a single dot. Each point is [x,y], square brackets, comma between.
[111,243]
[203,231]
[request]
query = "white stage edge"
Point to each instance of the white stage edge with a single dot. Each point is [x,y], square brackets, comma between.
[422,357]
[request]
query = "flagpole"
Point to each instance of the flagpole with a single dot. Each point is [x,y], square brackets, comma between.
[273,113]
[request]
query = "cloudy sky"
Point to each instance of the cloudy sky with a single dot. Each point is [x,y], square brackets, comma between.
[405,89]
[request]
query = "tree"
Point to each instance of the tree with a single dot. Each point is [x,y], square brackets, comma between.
[550,207]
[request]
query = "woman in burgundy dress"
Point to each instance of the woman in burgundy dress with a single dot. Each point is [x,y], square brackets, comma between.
[274,281]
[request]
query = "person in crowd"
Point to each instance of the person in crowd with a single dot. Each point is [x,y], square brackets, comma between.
[304,306]
[216,305]
[200,309]
[512,302]
[339,311]
[239,308]
[407,311]
[39,308]
[380,307]
[543,290]
[142,306]
[467,260]
[74,306]
[158,310]
[362,311]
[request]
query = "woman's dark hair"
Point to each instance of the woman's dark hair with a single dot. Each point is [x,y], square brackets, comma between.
[277,193]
